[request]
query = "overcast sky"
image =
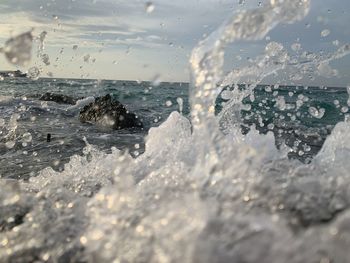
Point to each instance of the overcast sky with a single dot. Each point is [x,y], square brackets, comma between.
[119,39]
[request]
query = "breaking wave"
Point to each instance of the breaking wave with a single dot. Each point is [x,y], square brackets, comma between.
[195,195]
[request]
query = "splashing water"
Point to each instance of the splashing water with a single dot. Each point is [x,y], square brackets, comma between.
[193,196]
[18,49]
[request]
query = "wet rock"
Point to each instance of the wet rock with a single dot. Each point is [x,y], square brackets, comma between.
[58,98]
[109,112]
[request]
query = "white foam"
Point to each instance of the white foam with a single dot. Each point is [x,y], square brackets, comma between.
[193,196]
[81,103]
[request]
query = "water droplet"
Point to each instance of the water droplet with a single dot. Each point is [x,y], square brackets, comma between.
[87,58]
[149,7]
[180,102]
[344,109]
[33,73]
[296,47]
[46,59]
[325,32]
[281,103]
[317,113]
[18,49]
[156,80]
[10,144]
[168,103]
[27,137]
[307,148]
[268,89]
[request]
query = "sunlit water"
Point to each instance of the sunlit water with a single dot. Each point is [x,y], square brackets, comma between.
[24,157]
[202,191]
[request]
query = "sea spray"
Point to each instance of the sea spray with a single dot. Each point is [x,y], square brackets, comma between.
[193,196]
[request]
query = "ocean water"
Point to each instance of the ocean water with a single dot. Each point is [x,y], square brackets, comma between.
[204,187]
[26,152]
[35,119]
[83,158]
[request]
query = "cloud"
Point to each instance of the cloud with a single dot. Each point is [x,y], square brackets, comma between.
[168,33]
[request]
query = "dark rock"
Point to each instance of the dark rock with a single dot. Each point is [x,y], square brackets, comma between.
[109,112]
[58,98]
[13,74]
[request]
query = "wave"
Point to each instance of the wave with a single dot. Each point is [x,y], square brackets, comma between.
[196,194]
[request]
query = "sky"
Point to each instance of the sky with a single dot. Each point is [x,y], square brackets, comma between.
[123,39]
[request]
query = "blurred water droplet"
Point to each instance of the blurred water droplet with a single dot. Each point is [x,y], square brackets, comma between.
[156,80]
[149,7]
[46,59]
[181,103]
[296,46]
[87,58]
[18,49]
[335,42]
[168,103]
[10,144]
[344,109]
[33,73]
[27,137]
[325,32]
[317,113]
[281,103]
